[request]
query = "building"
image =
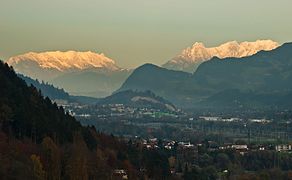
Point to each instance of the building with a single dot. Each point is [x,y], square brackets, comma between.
[283,147]
[120,174]
[239,147]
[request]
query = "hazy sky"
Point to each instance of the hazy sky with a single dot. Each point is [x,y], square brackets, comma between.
[133,32]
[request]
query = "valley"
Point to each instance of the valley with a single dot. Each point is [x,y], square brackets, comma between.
[145,90]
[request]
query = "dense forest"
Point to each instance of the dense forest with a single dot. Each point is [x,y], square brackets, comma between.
[38,140]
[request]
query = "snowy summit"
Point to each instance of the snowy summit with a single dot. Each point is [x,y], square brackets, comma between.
[191,57]
[63,61]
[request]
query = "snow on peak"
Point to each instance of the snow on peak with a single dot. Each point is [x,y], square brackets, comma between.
[198,45]
[63,61]
[198,53]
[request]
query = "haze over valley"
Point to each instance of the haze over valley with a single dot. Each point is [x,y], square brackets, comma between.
[69,69]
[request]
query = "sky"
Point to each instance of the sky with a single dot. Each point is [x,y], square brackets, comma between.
[134,32]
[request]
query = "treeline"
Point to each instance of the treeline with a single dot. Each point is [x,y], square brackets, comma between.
[38,140]
[231,164]
[47,89]
[23,159]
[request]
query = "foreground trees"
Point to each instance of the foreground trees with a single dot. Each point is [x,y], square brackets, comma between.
[23,159]
[38,140]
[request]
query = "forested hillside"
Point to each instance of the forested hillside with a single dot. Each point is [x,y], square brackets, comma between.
[47,89]
[38,140]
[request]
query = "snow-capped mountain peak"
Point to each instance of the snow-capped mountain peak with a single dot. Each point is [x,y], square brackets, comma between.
[191,57]
[198,45]
[63,61]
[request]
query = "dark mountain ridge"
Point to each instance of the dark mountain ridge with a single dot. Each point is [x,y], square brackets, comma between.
[163,82]
[47,89]
[55,93]
[265,73]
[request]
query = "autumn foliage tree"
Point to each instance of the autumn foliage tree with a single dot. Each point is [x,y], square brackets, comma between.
[52,159]
[77,166]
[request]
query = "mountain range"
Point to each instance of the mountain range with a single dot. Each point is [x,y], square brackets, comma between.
[73,71]
[264,74]
[55,63]
[190,58]
[95,75]
[244,74]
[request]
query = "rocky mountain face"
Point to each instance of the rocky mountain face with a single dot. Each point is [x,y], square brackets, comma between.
[79,73]
[191,57]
